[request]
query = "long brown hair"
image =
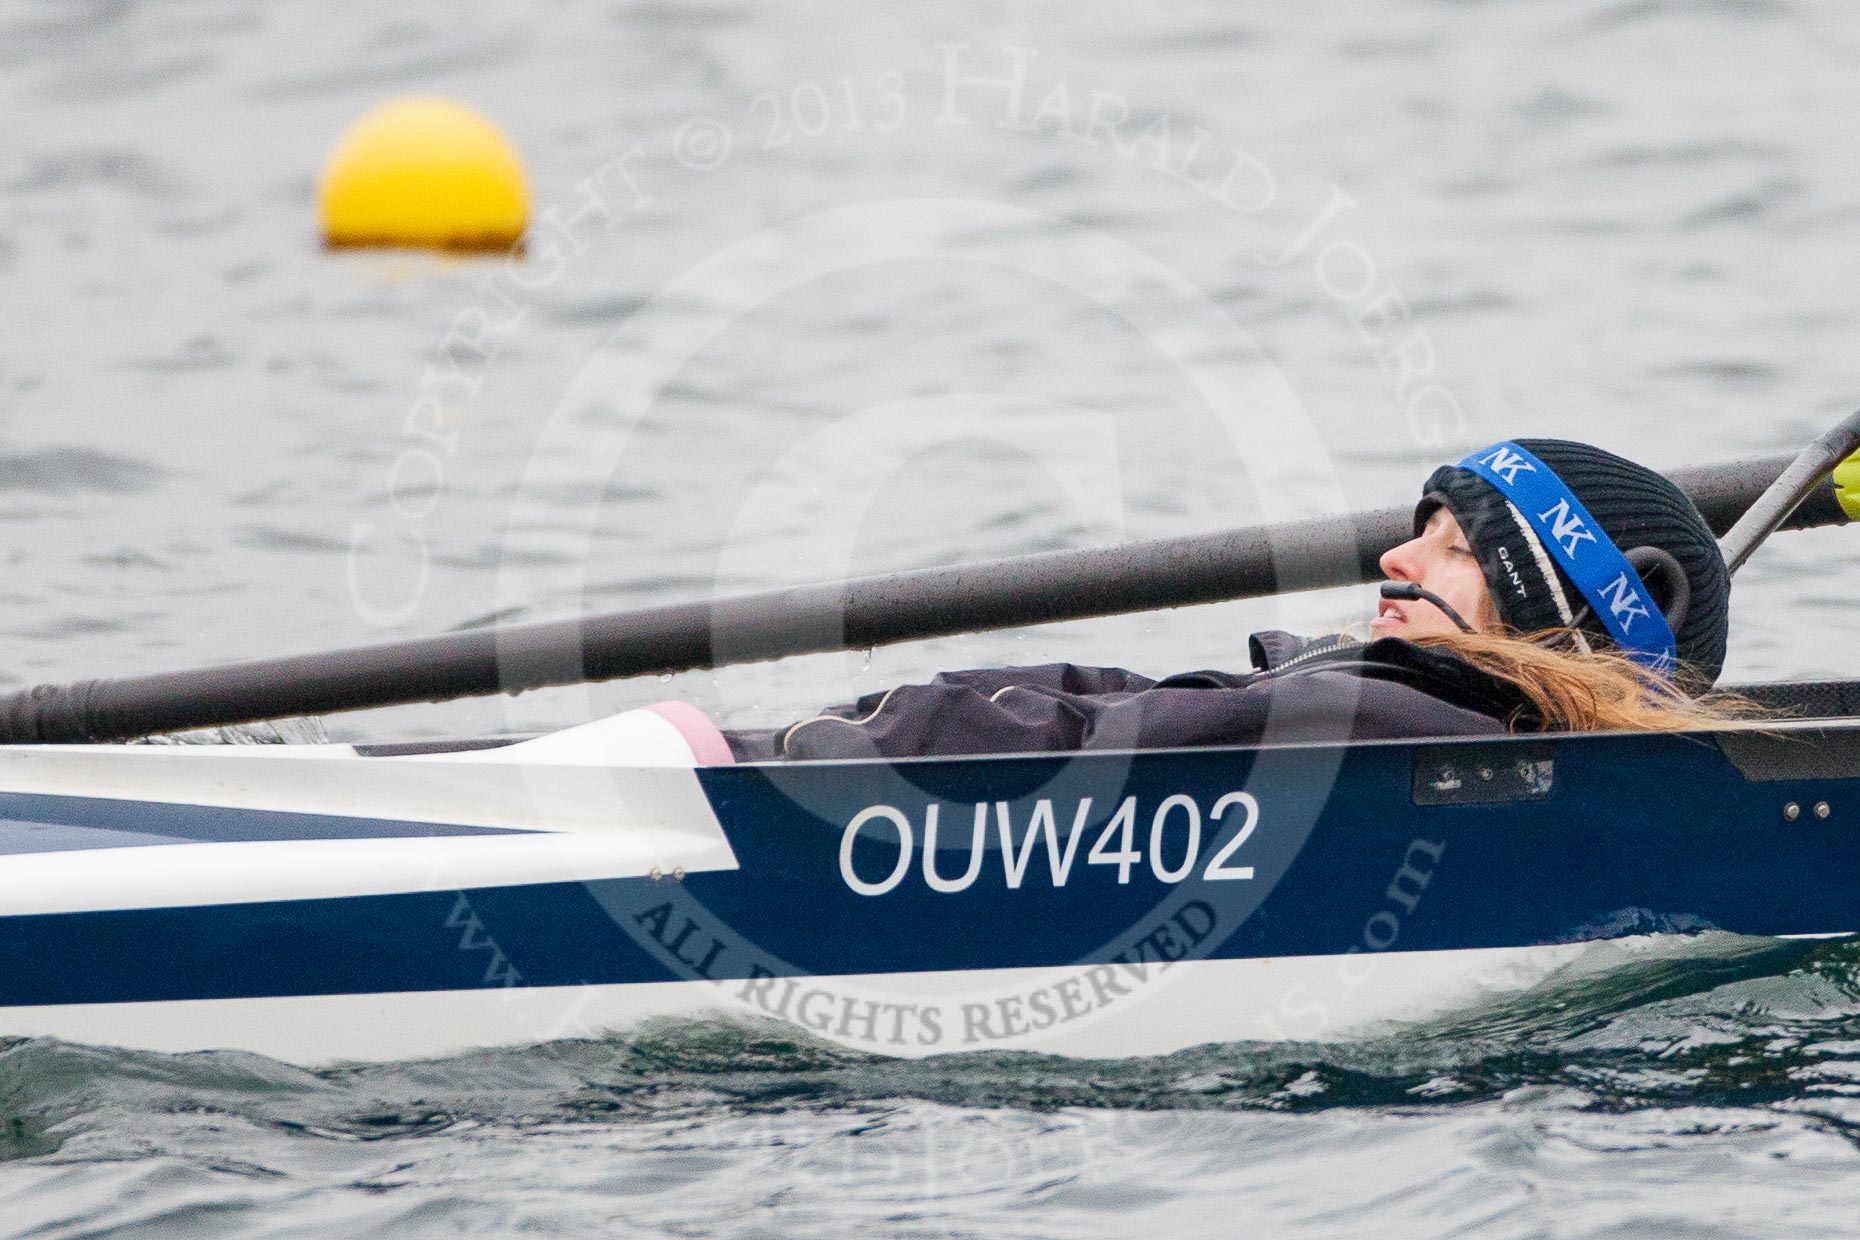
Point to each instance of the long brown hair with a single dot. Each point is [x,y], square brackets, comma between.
[1570,690]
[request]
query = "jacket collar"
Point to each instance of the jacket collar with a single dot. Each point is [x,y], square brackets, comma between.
[1434,670]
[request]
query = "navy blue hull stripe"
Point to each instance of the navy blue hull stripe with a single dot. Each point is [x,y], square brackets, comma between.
[1635,834]
[35,822]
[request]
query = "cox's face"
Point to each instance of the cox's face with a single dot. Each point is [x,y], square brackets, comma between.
[1440,560]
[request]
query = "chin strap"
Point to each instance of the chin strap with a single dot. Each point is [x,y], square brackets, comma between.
[1411,591]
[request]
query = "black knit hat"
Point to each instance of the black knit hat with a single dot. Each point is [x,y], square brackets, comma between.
[1637,508]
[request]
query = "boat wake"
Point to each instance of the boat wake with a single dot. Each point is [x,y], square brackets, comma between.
[1713,1021]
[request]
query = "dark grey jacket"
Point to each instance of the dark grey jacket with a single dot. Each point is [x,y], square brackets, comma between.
[1330,690]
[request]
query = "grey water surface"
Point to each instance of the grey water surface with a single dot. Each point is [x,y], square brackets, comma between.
[824,289]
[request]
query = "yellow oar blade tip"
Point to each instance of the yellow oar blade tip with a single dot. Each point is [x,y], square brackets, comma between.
[1847,486]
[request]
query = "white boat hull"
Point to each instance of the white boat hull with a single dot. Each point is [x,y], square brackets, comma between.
[1117,1013]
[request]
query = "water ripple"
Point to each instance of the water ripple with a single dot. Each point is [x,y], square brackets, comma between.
[66,471]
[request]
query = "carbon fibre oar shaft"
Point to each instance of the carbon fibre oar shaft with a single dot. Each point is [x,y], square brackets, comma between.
[1798,480]
[849,615]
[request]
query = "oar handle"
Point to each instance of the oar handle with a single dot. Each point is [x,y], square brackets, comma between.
[850,615]
[1808,472]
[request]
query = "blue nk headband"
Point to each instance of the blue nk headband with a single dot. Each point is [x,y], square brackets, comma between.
[1583,550]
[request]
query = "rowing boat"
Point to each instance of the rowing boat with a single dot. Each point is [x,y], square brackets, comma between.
[319,903]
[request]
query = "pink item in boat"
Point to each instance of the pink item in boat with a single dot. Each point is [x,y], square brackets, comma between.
[706,740]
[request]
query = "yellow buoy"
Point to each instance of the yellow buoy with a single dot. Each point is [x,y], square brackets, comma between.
[423,172]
